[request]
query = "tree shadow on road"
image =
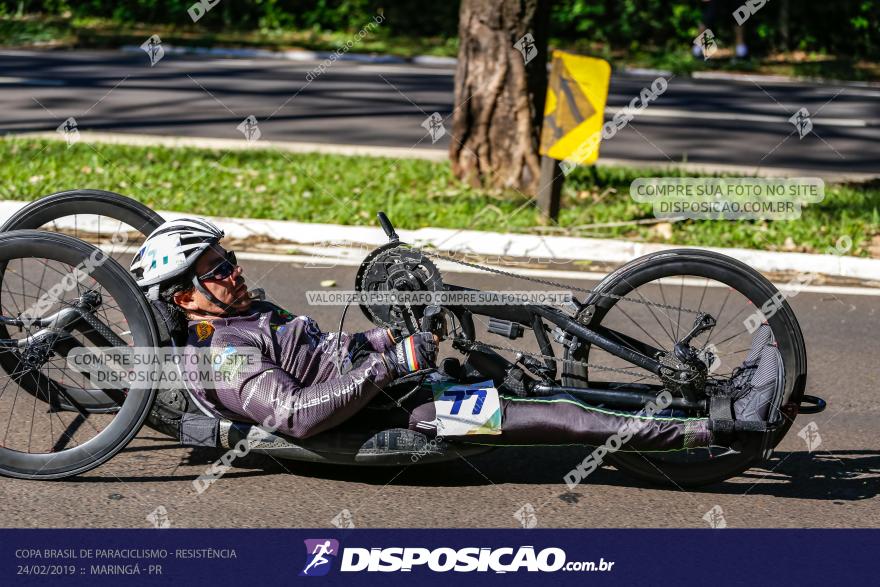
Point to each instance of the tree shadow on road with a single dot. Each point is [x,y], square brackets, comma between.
[844,475]
[840,475]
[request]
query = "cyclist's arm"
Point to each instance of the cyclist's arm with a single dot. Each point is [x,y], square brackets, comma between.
[379,339]
[266,394]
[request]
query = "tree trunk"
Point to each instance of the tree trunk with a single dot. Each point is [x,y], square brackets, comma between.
[499,99]
[783,25]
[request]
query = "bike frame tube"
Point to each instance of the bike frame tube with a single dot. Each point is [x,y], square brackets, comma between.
[572,327]
[529,315]
[604,339]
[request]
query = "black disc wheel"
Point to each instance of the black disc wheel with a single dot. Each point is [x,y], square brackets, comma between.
[678,285]
[45,432]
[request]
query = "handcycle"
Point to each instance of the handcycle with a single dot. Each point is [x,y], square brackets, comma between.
[646,328]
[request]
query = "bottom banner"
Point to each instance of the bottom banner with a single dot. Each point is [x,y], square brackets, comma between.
[390,556]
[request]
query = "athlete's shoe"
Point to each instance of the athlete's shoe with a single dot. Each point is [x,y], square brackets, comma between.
[753,389]
[760,378]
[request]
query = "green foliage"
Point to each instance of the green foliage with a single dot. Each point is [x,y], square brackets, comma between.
[843,27]
[403,16]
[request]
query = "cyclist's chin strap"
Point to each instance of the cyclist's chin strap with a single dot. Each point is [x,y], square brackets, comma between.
[226,307]
[153,293]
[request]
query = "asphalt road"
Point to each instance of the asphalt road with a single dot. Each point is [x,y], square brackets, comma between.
[835,485]
[742,122]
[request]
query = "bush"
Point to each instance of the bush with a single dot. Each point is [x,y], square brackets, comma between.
[844,27]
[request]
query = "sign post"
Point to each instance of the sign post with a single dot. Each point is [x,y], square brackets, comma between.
[573,118]
[550,188]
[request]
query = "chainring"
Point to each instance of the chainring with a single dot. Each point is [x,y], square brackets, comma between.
[395,267]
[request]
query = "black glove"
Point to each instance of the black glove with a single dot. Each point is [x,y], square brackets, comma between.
[396,335]
[413,353]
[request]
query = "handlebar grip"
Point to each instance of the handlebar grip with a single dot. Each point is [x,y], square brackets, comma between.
[387,227]
[433,321]
[429,317]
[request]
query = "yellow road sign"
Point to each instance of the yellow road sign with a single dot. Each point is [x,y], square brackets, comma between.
[575,108]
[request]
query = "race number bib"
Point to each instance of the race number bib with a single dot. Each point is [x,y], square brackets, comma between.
[467,409]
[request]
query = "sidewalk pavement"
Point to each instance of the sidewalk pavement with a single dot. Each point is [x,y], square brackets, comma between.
[546,249]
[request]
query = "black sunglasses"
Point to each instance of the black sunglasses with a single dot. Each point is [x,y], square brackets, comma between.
[223,269]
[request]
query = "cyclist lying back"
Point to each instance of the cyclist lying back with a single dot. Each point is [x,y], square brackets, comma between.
[183,264]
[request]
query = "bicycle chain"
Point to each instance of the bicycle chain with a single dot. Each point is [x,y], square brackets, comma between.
[472,343]
[552,283]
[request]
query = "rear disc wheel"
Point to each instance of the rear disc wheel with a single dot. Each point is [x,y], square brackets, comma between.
[704,282]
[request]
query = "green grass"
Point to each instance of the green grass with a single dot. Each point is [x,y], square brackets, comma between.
[29,31]
[415,193]
[680,61]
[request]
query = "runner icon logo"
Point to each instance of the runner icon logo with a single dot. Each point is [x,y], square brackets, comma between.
[250,129]
[434,125]
[801,121]
[706,42]
[153,48]
[69,131]
[526,46]
[320,553]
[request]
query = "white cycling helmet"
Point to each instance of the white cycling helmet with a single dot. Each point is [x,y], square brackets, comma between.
[171,251]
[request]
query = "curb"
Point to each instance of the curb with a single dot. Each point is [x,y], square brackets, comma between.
[743,170]
[742,76]
[550,249]
[140,140]
[785,79]
[298,55]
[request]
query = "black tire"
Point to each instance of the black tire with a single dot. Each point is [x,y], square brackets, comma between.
[58,205]
[753,286]
[116,281]
[45,211]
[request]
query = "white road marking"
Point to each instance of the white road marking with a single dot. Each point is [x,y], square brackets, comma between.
[736,116]
[31,81]
[403,68]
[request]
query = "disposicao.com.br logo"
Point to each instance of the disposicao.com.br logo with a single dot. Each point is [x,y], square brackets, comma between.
[320,553]
[444,559]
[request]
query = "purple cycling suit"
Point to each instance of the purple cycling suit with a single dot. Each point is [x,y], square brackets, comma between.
[298,370]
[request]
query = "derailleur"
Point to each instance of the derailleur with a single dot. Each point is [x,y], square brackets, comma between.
[683,349]
[686,369]
[524,374]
